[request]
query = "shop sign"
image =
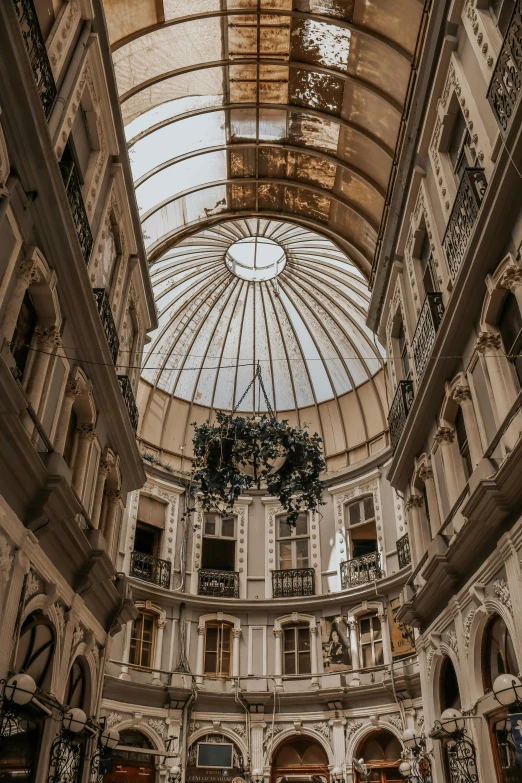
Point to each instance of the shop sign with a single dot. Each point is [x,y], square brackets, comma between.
[206,775]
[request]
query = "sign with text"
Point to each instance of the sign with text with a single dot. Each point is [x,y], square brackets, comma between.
[401,635]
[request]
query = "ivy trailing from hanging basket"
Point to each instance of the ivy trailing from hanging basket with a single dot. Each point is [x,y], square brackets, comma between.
[237,453]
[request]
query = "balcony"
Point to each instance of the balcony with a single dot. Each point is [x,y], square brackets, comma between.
[219,584]
[293,582]
[79,215]
[399,410]
[361,570]
[109,327]
[403,551]
[506,84]
[150,569]
[130,402]
[427,327]
[463,217]
[35,45]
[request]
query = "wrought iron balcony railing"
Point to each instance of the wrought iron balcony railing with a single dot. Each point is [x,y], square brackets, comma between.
[360,570]
[293,582]
[403,551]
[35,45]
[150,569]
[427,327]
[506,85]
[399,410]
[219,584]
[463,217]
[130,402]
[79,215]
[109,327]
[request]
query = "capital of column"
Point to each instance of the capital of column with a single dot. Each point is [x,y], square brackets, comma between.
[48,336]
[351,622]
[86,431]
[313,630]
[461,394]
[201,630]
[512,278]
[73,389]
[236,633]
[278,633]
[104,468]
[161,623]
[112,495]
[444,435]
[425,472]
[487,340]
[27,271]
[414,501]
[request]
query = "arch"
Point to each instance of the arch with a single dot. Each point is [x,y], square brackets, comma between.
[450,406]
[219,617]
[295,617]
[286,734]
[150,733]
[442,654]
[83,405]
[362,733]
[49,654]
[496,291]
[365,607]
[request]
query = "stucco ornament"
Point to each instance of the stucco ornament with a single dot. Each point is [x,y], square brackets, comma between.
[451,638]
[352,726]
[324,729]
[467,627]
[158,725]
[239,728]
[112,719]
[396,721]
[501,591]
[271,732]
[6,560]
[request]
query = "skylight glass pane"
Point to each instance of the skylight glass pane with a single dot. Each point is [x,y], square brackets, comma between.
[168,110]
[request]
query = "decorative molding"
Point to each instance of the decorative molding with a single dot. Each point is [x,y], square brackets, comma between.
[352,726]
[396,721]
[501,591]
[451,639]
[271,732]
[112,719]
[158,724]
[324,729]
[238,728]
[467,628]
[6,560]
[429,660]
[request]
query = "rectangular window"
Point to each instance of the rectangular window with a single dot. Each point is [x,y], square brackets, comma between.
[360,518]
[296,650]
[460,151]
[462,440]
[293,543]
[370,640]
[218,649]
[147,539]
[403,350]
[219,545]
[142,640]
[429,278]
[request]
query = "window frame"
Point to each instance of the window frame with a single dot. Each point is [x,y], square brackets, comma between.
[296,651]
[292,538]
[220,625]
[371,644]
[360,501]
[154,617]
[219,526]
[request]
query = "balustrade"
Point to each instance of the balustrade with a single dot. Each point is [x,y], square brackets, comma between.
[361,570]
[35,45]
[220,584]
[403,551]
[427,327]
[150,569]
[109,327]
[130,402]
[506,84]
[79,214]
[293,582]
[463,216]
[399,410]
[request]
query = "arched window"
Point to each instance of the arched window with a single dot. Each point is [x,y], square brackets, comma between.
[218,649]
[510,328]
[382,754]
[293,543]
[300,755]
[360,518]
[449,693]
[370,641]
[143,638]
[498,657]
[76,686]
[36,649]
[296,649]
[132,764]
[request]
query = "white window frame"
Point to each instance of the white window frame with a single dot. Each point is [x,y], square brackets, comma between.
[372,641]
[292,538]
[295,628]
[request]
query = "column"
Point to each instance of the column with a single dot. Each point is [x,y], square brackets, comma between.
[278,634]
[426,476]
[158,651]
[27,275]
[256,743]
[419,544]
[104,468]
[47,340]
[124,671]
[338,743]
[314,657]
[453,471]
[200,655]
[72,390]
[354,649]
[86,435]
[512,281]
[15,571]
[111,514]
[236,635]
[385,636]
[462,396]
[489,345]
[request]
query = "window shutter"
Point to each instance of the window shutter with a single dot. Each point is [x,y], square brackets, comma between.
[151,511]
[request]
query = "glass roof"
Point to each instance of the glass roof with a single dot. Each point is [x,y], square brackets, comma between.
[305,325]
[267,107]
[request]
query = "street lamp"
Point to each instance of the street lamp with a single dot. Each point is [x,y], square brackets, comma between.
[74,720]
[507,690]
[20,689]
[452,721]
[109,738]
[460,750]
[337,775]
[416,766]
[175,774]
[257,776]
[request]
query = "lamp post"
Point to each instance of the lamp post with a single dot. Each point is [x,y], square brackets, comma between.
[66,752]
[462,755]
[507,690]
[108,739]
[416,766]
[16,693]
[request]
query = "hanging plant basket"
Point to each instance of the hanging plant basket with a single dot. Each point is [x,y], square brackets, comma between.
[237,453]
